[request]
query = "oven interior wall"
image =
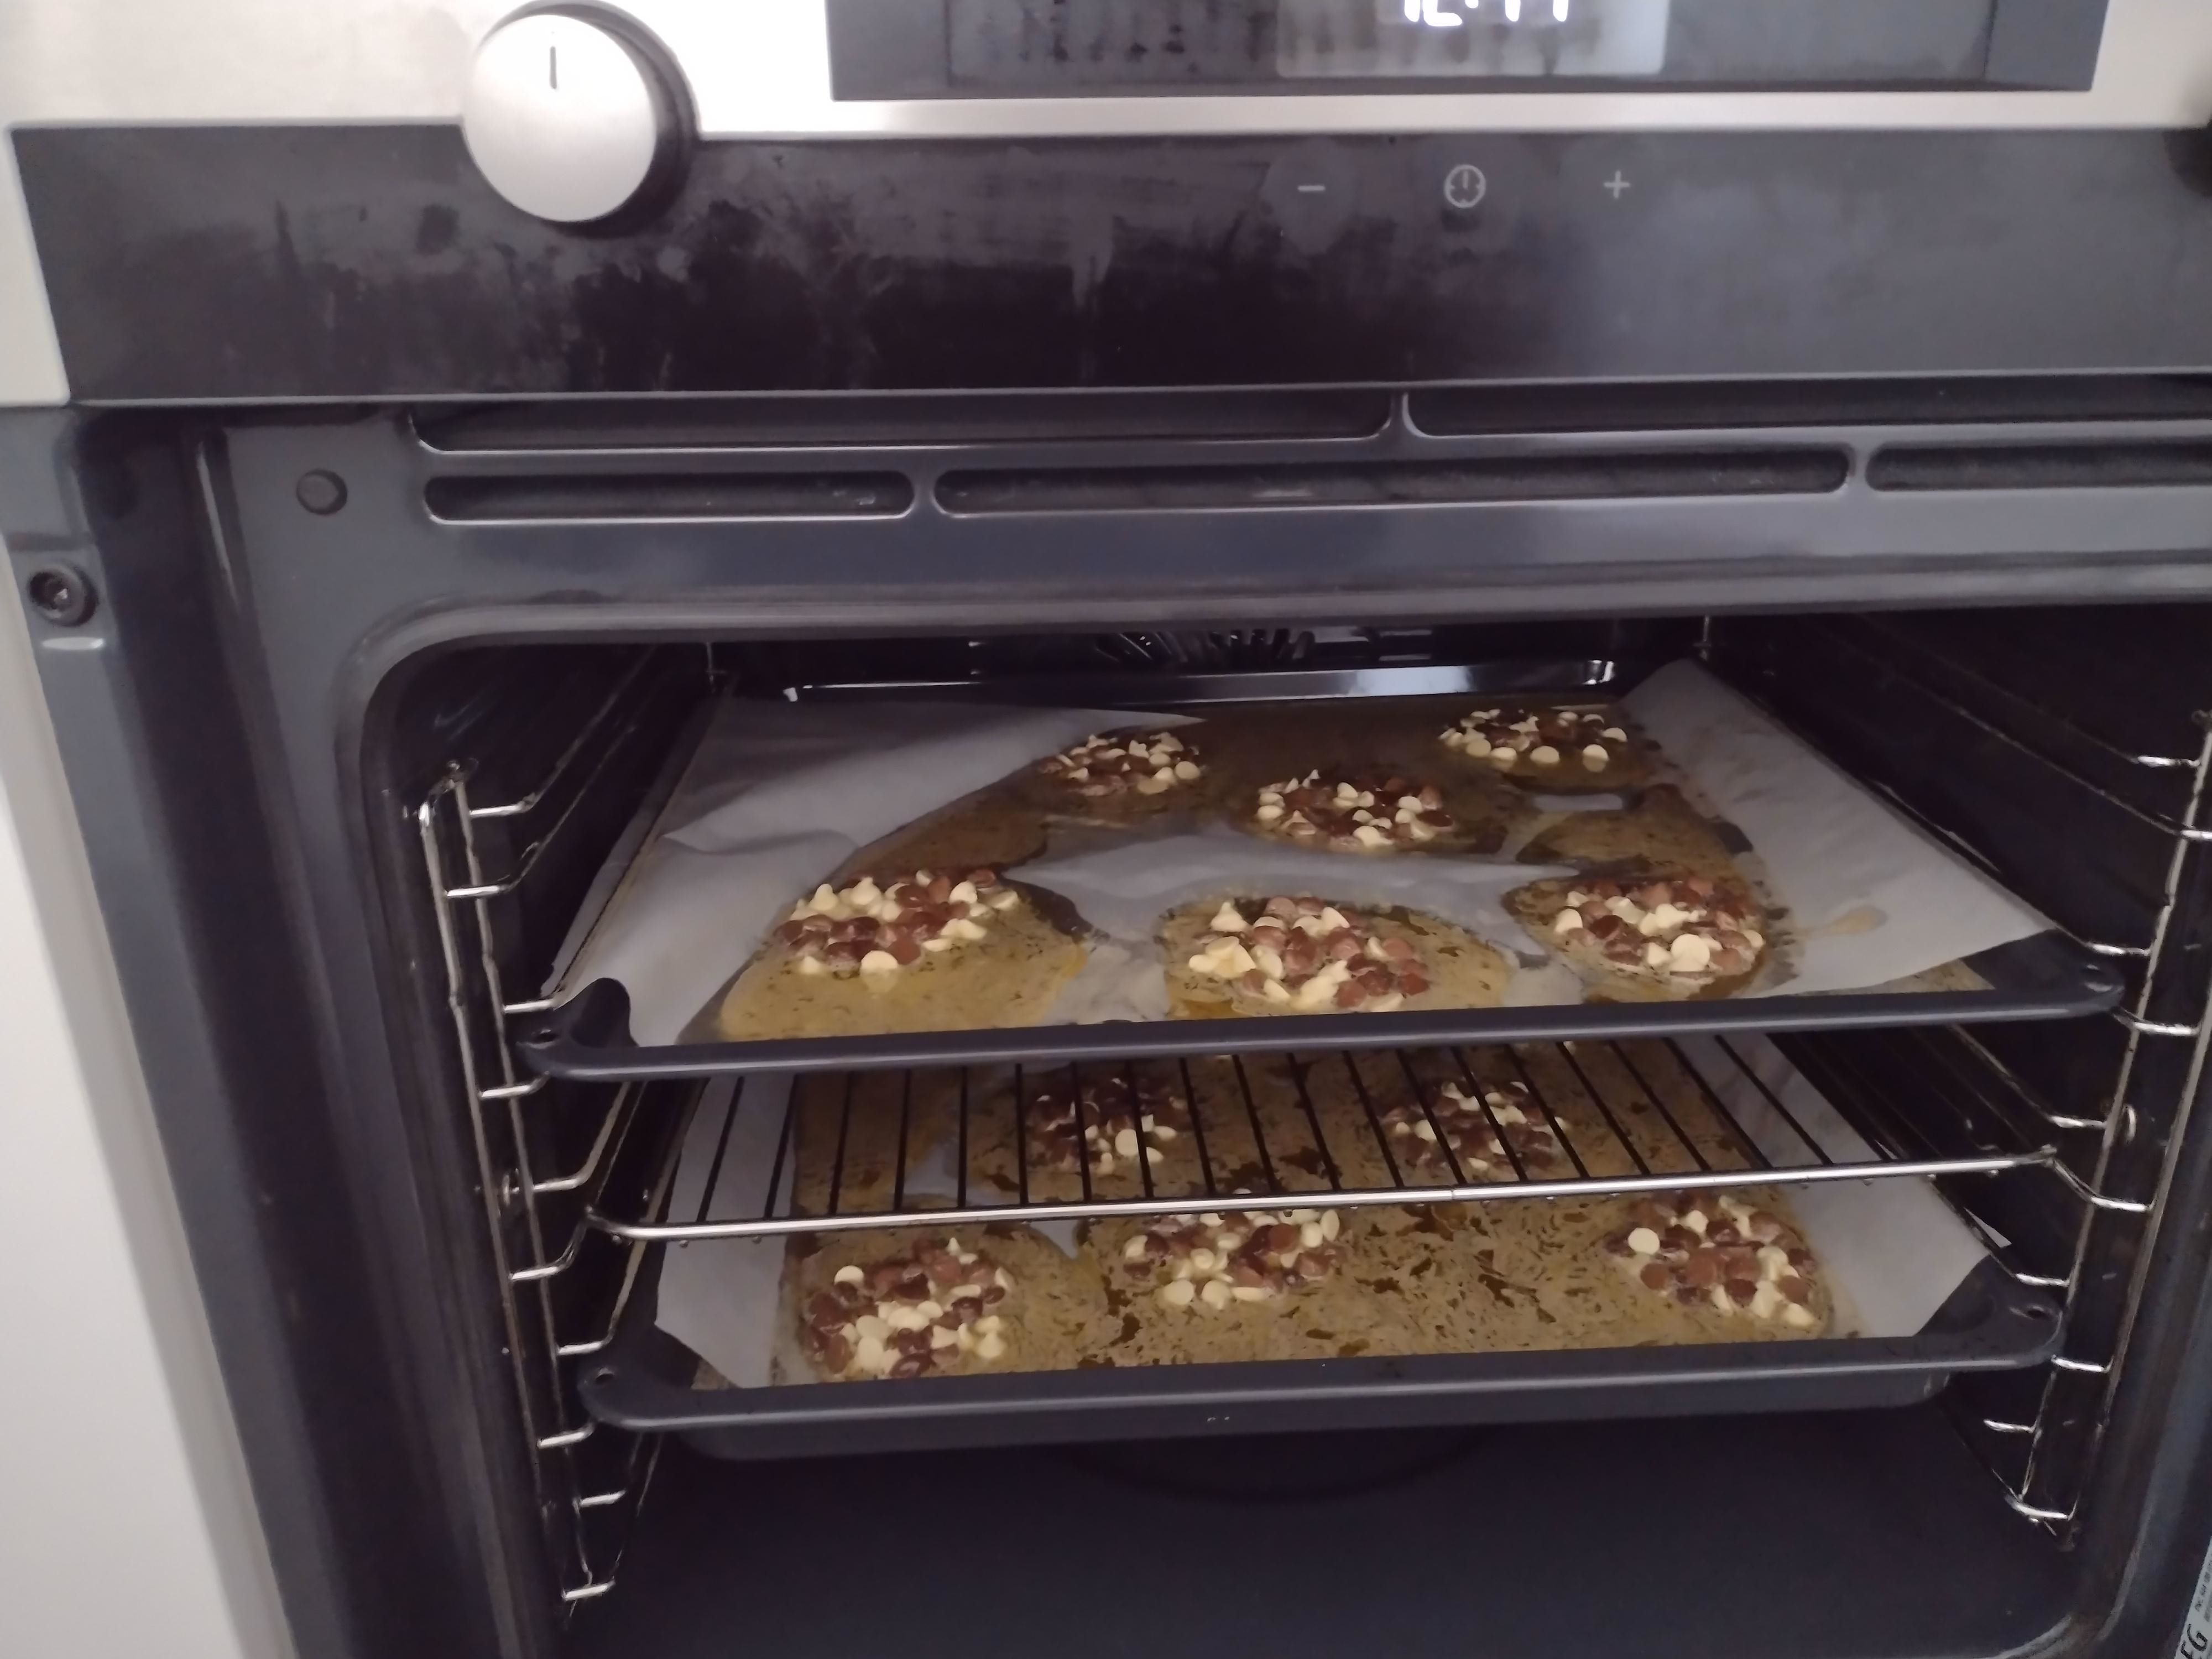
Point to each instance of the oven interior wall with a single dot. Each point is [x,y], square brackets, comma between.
[2011,733]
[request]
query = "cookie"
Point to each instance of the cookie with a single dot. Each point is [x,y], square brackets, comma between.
[1554,751]
[1301,954]
[921,950]
[1669,936]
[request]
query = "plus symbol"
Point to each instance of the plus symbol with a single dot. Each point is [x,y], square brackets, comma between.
[1617,183]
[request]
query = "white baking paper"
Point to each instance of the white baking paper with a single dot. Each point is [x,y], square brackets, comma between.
[778,795]
[1892,1249]
[1871,898]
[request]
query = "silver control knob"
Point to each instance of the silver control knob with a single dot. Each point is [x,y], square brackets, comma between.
[566,117]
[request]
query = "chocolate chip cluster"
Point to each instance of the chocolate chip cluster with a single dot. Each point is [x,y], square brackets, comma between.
[907,1314]
[1367,812]
[1688,929]
[1714,1248]
[1150,764]
[1118,1118]
[879,929]
[1541,742]
[1308,955]
[1471,1123]
[1214,1258]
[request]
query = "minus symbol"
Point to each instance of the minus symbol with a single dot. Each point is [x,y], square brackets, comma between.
[1312,189]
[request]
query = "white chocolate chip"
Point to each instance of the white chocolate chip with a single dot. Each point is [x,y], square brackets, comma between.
[1125,1143]
[1228,919]
[1800,1316]
[812,965]
[1269,813]
[1276,991]
[1613,734]
[868,1354]
[964,892]
[1311,1237]
[1502,759]
[881,961]
[1566,922]
[1250,1292]
[1595,759]
[1203,1259]
[1330,1224]
[941,943]
[960,927]
[1544,755]
[1369,836]
[1185,770]
[872,1327]
[991,1347]
[1695,1220]
[1765,1301]
[1643,1241]
[1175,1293]
[1216,1294]
[847,1275]
[1656,955]
[944,1336]
[1691,953]
[1389,1002]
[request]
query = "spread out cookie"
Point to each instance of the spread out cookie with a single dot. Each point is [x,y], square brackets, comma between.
[1205,1262]
[1110,1116]
[1479,1123]
[1714,1249]
[868,928]
[1358,813]
[1564,749]
[1309,956]
[1300,954]
[1665,935]
[907,1314]
[923,951]
[1121,763]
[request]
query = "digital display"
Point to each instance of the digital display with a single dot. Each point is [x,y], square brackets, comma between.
[1032,48]
[1366,40]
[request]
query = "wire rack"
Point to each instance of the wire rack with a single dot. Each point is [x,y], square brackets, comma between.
[569,1233]
[2119,1161]
[1338,1130]
[561,1285]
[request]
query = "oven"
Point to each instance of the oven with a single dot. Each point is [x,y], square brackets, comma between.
[427,428]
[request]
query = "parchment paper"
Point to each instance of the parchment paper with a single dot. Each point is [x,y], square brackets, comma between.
[1892,1250]
[778,795]
[1871,897]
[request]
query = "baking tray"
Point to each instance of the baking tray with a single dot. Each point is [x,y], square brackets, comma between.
[642,1382]
[2047,977]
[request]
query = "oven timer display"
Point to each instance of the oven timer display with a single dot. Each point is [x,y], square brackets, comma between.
[1469,39]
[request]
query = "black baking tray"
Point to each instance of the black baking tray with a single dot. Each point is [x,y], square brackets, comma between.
[2045,976]
[642,1382]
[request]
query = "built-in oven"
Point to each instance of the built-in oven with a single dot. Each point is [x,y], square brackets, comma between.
[467,444]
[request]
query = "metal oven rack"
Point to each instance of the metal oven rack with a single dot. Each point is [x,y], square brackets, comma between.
[563,1285]
[568,1236]
[1625,1117]
[2119,1155]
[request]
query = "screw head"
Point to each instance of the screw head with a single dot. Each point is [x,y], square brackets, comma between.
[61,594]
[320,492]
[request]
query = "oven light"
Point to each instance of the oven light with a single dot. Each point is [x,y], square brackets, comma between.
[1559,10]
[1512,11]
[1436,18]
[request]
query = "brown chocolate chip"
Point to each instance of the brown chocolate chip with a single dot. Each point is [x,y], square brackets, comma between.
[1411,982]
[1740,1291]
[1794,1287]
[1350,995]
[1655,1277]
[1703,1269]
[902,948]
